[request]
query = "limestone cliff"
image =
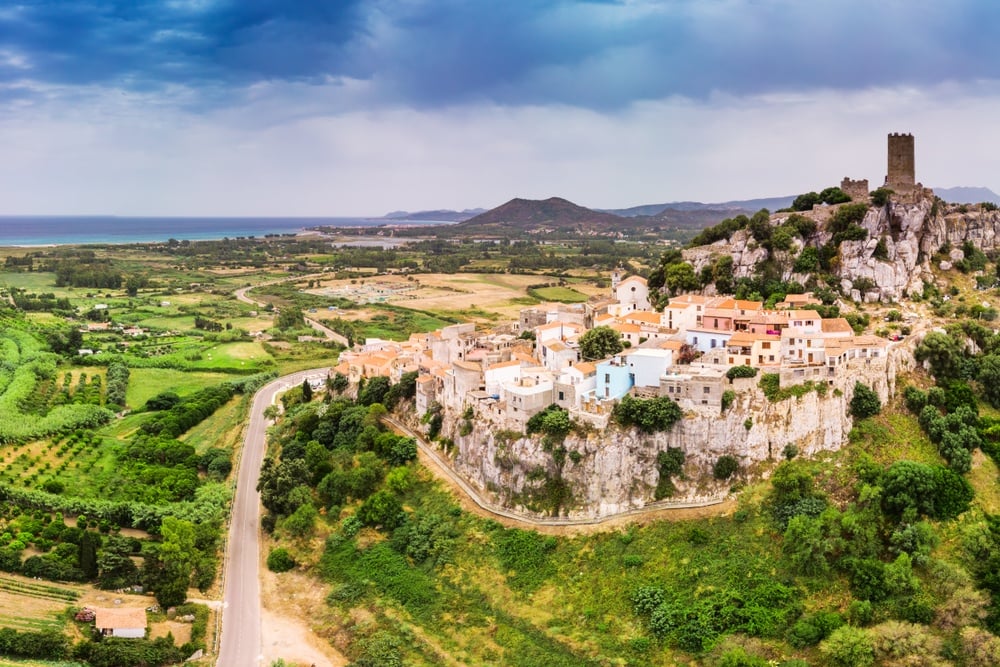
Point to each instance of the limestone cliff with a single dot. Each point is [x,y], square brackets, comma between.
[912,232]
[614,470]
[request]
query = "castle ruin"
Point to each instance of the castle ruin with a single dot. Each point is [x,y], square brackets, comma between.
[902,175]
[857,190]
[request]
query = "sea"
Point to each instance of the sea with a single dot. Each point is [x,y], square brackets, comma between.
[76,230]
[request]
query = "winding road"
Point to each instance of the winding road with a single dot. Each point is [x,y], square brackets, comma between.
[240,644]
[241,295]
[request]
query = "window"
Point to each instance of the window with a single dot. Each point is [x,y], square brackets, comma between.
[607,378]
[766,345]
[561,397]
[670,390]
[706,390]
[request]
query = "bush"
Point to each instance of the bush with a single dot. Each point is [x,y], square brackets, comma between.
[279,560]
[649,415]
[741,372]
[725,467]
[849,647]
[915,399]
[728,396]
[865,402]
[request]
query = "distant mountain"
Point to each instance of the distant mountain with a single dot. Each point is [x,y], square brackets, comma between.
[553,214]
[967,195]
[752,205]
[440,215]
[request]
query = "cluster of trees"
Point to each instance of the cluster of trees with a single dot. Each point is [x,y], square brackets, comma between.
[205,324]
[85,271]
[336,455]
[69,553]
[45,302]
[832,195]
[649,415]
[38,645]
[187,412]
[117,384]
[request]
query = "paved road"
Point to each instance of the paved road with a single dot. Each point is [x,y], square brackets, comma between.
[241,638]
[241,295]
[474,495]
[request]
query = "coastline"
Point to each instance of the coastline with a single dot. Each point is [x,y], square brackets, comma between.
[37,232]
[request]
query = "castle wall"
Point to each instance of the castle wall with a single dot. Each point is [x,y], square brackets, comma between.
[857,190]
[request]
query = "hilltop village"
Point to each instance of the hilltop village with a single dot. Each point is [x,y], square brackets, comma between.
[516,370]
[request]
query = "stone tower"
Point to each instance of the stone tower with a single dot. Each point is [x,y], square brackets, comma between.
[901,175]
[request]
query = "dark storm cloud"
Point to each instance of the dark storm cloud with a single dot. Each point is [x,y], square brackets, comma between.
[431,53]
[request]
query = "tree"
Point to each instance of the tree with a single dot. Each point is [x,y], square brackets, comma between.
[943,354]
[648,414]
[381,509]
[600,343]
[805,202]
[989,378]
[307,391]
[279,560]
[89,543]
[290,318]
[806,546]
[849,647]
[374,391]
[680,278]
[725,467]
[174,562]
[865,402]
[339,383]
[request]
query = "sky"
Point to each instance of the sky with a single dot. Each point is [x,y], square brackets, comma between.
[356,108]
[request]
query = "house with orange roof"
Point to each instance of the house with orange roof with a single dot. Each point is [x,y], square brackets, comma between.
[793,301]
[685,311]
[753,349]
[630,333]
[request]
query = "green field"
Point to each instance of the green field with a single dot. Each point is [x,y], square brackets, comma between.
[144,383]
[559,294]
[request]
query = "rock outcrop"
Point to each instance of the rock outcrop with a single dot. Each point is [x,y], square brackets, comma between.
[612,471]
[912,231]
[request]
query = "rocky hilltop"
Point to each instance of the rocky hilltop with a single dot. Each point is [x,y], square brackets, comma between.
[609,471]
[915,234]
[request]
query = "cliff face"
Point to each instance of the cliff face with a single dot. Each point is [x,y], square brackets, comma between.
[912,232]
[616,470]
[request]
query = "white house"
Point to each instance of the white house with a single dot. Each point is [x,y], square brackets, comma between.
[526,399]
[497,375]
[633,294]
[121,622]
[578,380]
[648,365]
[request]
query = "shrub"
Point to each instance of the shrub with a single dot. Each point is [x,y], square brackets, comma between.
[725,467]
[741,372]
[649,415]
[849,647]
[279,560]
[865,402]
[915,399]
[728,396]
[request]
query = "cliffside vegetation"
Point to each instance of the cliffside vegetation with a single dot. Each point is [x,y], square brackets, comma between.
[872,555]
